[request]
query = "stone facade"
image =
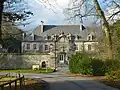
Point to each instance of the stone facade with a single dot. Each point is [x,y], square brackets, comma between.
[13,61]
[60,40]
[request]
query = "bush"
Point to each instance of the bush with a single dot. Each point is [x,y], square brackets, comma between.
[112,69]
[98,67]
[80,63]
[111,65]
[113,74]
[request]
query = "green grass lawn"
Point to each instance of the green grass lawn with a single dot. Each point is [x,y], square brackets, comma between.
[29,71]
[5,79]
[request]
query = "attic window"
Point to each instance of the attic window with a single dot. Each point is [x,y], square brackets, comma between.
[93,37]
[57,36]
[73,37]
[89,37]
[78,37]
[48,37]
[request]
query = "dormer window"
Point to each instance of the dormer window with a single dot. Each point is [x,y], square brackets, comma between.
[89,37]
[32,35]
[48,37]
[73,37]
[93,37]
[57,36]
[78,37]
[60,35]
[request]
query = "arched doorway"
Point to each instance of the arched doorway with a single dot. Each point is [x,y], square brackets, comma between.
[43,64]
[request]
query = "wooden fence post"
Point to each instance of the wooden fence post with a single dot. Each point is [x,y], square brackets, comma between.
[2,87]
[9,86]
[20,80]
[20,83]
[15,85]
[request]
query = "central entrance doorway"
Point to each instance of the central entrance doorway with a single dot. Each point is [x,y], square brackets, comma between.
[62,62]
[62,58]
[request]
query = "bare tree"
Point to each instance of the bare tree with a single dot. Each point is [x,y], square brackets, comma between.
[1,10]
[90,8]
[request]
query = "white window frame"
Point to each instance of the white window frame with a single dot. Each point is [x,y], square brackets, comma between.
[27,46]
[47,47]
[35,46]
[62,57]
[89,47]
[77,47]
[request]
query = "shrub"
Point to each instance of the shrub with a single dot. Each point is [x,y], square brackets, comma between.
[113,74]
[112,69]
[111,65]
[98,67]
[80,63]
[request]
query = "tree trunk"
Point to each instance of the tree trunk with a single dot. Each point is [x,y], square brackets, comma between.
[1,11]
[105,27]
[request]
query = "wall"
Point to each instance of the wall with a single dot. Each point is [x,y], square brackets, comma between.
[13,61]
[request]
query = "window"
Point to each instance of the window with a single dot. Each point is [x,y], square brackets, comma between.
[34,46]
[40,48]
[28,46]
[48,37]
[93,37]
[61,57]
[76,47]
[89,47]
[73,37]
[51,46]
[46,47]
[89,37]
[78,37]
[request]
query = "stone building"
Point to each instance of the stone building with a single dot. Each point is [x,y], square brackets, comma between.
[61,41]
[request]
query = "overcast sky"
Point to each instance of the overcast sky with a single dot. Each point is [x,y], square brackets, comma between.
[50,14]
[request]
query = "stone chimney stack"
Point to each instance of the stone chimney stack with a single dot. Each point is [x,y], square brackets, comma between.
[81,27]
[42,26]
[33,36]
[23,35]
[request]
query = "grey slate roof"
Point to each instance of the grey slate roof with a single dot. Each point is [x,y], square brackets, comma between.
[57,29]
[49,30]
[30,38]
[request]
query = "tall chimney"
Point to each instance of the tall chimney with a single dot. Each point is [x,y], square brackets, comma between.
[42,26]
[81,27]
[23,35]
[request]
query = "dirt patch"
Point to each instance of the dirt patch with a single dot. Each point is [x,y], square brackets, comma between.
[31,84]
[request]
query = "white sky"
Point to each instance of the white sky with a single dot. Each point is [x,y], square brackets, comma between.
[50,14]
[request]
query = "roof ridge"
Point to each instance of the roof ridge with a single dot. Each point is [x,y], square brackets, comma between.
[63,25]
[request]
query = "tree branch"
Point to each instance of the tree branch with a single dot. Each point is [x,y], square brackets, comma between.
[113,15]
